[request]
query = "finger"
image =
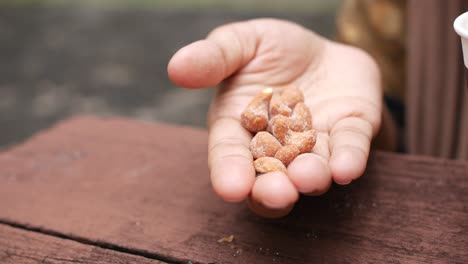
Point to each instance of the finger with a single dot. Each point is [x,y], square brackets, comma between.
[263,211]
[310,174]
[230,161]
[207,62]
[350,140]
[274,191]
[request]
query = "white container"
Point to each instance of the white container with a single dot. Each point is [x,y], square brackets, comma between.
[461,27]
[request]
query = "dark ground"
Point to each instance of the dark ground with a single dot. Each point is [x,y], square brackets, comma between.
[56,62]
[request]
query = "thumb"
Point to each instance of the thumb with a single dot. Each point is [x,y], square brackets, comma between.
[206,63]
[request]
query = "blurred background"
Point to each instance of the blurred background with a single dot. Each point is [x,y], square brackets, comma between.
[62,58]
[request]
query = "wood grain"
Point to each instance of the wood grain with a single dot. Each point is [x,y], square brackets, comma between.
[24,247]
[435,78]
[146,187]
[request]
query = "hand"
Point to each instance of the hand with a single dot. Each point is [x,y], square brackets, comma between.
[341,86]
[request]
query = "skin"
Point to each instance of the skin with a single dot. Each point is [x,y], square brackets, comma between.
[341,85]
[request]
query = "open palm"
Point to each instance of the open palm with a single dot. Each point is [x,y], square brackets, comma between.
[341,86]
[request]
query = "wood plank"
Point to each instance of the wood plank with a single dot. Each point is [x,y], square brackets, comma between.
[19,246]
[145,187]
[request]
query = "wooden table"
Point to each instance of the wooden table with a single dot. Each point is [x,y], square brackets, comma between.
[110,190]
